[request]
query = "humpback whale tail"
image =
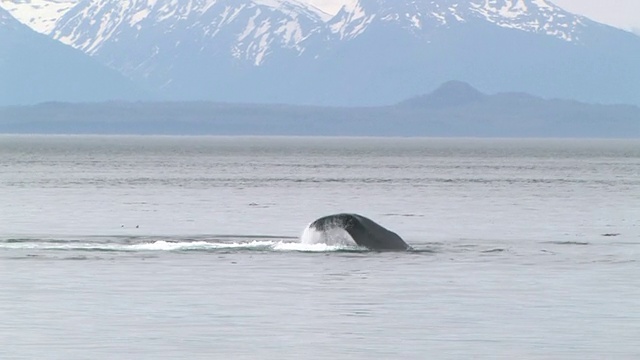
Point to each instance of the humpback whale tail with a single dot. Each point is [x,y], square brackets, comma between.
[364,232]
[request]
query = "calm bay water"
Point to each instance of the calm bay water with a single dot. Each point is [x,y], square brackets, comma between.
[189,248]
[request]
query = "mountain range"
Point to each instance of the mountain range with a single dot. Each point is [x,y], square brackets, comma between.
[33,68]
[454,109]
[372,52]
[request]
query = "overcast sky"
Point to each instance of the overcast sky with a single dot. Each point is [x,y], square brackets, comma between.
[620,13]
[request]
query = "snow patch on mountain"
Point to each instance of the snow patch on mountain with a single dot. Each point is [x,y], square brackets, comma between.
[537,16]
[264,23]
[304,6]
[40,15]
[351,21]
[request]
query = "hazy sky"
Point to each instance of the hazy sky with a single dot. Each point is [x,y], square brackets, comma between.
[620,13]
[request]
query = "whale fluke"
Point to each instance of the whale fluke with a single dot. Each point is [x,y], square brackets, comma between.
[365,232]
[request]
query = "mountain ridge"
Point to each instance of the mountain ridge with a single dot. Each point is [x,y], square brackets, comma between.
[371,52]
[40,15]
[35,68]
[481,115]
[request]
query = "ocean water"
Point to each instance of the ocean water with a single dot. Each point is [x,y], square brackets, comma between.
[192,248]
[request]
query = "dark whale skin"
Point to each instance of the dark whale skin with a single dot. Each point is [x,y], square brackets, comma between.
[364,231]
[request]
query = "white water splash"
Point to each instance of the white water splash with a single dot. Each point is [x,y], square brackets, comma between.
[302,247]
[196,245]
[163,245]
[333,236]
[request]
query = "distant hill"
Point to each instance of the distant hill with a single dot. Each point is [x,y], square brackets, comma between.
[454,109]
[464,110]
[36,68]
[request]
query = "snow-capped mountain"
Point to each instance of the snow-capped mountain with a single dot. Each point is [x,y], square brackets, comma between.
[35,68]
[40,15]
[369,52]
[536,16]
[252,30]
[255,26]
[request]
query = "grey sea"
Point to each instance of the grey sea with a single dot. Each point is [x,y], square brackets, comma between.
[118,247]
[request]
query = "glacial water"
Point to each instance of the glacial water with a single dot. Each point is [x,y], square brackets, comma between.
[195,248]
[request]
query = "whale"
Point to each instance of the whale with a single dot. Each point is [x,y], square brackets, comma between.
[364,231]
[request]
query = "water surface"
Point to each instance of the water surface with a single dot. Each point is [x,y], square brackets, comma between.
[189,247]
